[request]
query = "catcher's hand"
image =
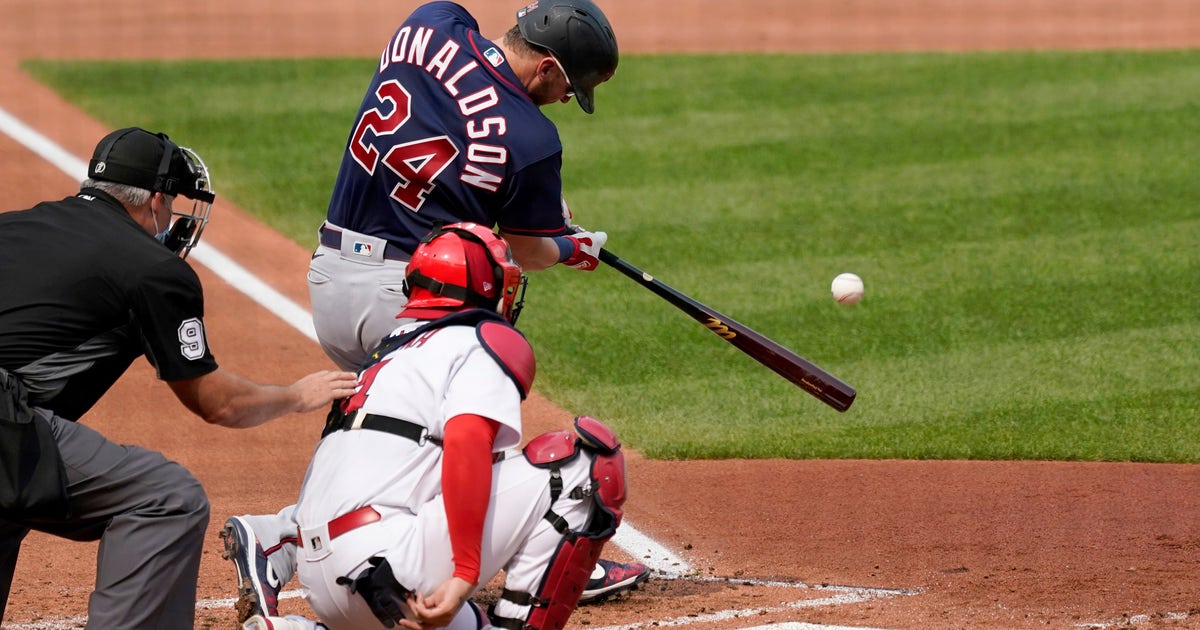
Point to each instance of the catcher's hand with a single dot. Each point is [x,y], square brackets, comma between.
[440,607]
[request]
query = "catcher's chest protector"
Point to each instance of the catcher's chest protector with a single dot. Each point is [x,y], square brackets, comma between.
[577,553]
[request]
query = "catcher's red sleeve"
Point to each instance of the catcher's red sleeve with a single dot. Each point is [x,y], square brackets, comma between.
[467,487]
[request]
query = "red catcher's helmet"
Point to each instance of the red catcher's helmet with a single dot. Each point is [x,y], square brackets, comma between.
[464,265]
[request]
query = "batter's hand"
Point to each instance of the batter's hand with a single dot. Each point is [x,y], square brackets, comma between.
[440,607]
[319,389]
[587,248]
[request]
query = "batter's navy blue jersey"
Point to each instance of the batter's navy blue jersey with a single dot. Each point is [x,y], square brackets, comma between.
[447,133]
[86,291]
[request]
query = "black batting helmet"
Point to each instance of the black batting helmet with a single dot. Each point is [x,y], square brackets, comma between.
[579,36]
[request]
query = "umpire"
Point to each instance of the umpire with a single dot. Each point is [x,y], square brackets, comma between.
[89,284]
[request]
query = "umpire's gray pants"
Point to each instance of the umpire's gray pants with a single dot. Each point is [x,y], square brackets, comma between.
[150,516]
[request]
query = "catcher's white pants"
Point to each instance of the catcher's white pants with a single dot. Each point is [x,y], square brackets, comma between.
[516,539]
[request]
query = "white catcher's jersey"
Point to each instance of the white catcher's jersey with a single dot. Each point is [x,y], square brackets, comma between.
[438,375]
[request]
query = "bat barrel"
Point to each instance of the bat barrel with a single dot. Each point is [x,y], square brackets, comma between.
[812,379]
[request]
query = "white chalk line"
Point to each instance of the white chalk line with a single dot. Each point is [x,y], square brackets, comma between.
[280,305]
[1135,620]
[842,596]
[655,556]
[286,309]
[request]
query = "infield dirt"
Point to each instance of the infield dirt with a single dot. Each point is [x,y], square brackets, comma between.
[939,544]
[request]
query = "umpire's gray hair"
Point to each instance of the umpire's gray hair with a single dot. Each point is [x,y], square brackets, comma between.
[128,195]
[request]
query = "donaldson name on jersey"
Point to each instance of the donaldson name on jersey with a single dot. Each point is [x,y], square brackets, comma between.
[447,133]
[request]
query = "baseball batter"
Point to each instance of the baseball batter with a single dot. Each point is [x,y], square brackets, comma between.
[406,506]
[450,129]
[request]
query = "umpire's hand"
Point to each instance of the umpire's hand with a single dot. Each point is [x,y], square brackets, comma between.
[318,389]
[226,399]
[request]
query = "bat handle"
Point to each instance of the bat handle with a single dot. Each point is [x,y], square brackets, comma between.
[616,262]
[609,258]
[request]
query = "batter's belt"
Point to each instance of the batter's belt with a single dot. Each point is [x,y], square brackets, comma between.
[333,237]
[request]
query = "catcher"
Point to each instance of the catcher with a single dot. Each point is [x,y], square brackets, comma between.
[409,503]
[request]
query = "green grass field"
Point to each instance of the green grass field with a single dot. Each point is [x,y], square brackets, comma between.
[1027,224]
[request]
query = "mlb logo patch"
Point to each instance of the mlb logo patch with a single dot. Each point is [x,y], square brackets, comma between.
[362,249]
[494,57]
[532,6]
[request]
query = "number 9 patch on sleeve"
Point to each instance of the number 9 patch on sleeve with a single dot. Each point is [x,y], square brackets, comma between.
[191,339]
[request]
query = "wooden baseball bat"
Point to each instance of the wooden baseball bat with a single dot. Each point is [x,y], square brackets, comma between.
[821,384]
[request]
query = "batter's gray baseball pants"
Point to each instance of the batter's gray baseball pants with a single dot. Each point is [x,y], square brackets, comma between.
[355,298]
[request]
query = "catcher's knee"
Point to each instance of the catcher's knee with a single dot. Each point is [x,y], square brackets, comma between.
[550,604]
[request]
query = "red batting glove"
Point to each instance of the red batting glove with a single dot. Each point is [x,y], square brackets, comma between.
[586,249]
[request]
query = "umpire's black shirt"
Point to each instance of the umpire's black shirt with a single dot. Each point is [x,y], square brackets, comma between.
[84,290]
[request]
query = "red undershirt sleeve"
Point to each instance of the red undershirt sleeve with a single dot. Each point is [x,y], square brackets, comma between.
[467,487]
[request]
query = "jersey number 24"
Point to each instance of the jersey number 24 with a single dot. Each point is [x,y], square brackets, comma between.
[415,163]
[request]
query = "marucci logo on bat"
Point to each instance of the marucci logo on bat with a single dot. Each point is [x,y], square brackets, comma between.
[720,328]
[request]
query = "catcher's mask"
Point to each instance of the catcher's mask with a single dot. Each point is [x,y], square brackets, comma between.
[151,161]
[464,265]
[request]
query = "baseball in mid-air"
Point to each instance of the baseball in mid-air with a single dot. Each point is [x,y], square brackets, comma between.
[847,288]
